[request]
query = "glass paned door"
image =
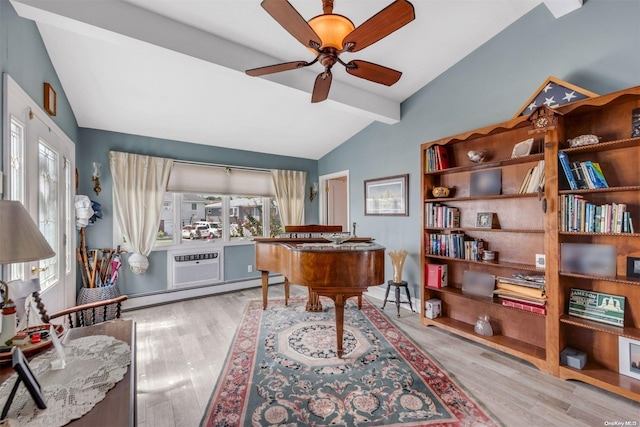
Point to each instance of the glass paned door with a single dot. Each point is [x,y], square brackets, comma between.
[49,212]
[40,161]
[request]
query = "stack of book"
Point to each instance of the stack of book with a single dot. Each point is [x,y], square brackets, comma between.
[577,214]
[524,292]
[533,180]
[436,158]
[436,275]
[582,175]
[441,216]
[455,245]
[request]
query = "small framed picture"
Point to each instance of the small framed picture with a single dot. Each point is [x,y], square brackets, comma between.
[522,149]
[541,261]
[50,101]
[476,283]
[629,357]
[486,183]
[485,219]
[633,267]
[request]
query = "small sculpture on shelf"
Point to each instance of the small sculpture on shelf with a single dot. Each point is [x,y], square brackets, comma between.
[581,140]
[477,156]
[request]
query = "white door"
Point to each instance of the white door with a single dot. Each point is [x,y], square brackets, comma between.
[40,160]
[334,200]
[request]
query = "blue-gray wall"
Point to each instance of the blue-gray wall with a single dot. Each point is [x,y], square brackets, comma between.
[596,47]
[94,146]
[24,57]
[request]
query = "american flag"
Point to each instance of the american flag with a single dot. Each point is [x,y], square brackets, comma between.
[553,95]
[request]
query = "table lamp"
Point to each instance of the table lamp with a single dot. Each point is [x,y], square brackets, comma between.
[20,241]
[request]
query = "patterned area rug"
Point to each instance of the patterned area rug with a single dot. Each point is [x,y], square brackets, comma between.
[282,370]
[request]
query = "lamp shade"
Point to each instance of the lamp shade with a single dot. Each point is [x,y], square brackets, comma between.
[332,29]
[20,238]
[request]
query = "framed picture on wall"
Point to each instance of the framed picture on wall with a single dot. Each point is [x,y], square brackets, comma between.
[387,196]
[50,99]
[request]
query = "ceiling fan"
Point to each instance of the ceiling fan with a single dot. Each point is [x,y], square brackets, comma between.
[329,35]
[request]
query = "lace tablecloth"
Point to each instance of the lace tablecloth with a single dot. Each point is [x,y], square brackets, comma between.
[95,364]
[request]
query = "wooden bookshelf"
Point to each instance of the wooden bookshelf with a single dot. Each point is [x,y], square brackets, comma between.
[529,225]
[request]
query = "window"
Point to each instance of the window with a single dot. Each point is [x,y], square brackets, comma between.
[209,203]
[200,218]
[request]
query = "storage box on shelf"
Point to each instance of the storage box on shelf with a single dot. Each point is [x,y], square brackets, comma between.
[526,229]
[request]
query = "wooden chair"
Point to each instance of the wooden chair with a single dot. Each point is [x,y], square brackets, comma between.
[85,314]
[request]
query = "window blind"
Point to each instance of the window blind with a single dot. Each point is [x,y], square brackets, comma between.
[195,178]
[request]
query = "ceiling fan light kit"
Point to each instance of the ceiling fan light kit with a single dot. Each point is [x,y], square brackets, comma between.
[329,35]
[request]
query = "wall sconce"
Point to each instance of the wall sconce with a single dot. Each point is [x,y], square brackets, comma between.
[313,191]
[96,172]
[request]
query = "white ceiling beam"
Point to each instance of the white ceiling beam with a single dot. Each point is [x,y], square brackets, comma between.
[112,20]
[562,7]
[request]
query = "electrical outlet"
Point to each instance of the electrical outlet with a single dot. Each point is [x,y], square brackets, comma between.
[249,268]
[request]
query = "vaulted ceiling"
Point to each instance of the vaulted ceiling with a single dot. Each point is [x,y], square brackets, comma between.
[174,69]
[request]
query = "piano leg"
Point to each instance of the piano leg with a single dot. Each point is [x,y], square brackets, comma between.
[286,291]
[265,287]
[339,300]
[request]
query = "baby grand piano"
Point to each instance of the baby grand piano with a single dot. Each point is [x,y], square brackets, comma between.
[335,271]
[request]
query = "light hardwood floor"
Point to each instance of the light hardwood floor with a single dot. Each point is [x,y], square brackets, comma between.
[182,346]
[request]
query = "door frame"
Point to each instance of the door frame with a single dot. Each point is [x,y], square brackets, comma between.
[32,111]
[324,202]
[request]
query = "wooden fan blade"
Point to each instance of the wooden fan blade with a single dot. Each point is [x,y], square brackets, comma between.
[322,86]
[373,72]
[292,21]
[396,15]
[270,69]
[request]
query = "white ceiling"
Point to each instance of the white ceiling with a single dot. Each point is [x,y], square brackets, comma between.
[174,69]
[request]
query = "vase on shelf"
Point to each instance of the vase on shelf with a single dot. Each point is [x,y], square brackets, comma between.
[483,326]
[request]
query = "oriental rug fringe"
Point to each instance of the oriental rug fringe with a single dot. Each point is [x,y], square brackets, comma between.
[282,370]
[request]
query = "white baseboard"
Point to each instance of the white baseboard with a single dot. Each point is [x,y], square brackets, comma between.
[177,295]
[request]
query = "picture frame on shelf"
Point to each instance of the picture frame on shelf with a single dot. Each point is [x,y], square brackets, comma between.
[486,183]
[633,267]
[485,219]
[387,196]
[477,283]
[629,357]
[522,149]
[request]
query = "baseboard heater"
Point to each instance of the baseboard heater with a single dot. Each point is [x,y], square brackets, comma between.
[194,268]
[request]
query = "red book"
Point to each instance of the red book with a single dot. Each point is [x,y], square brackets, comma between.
[524,306]
[436,275]
[443,155]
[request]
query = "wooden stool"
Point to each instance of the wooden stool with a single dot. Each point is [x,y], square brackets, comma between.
[402,284]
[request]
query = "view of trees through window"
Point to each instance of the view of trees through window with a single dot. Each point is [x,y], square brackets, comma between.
[192,217]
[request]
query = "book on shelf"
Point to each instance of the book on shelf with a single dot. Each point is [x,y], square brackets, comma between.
[436,158]
[441,216]
[520,289]
[524,306]
[505,293]
[585,175]
[566,167]
[579,215]
[454,245]
[533,180]
[437,276]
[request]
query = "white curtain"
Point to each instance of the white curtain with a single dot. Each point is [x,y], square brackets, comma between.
[290,189]
[139,185]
